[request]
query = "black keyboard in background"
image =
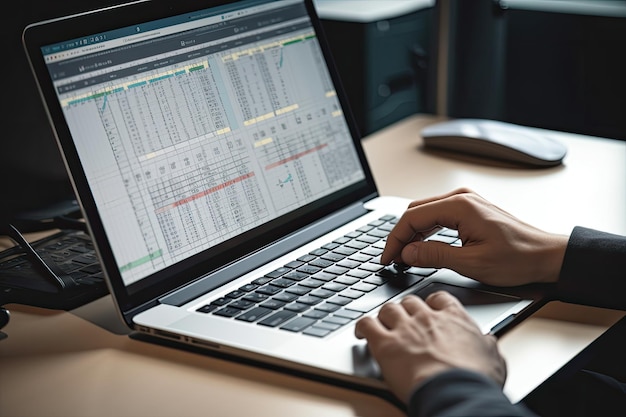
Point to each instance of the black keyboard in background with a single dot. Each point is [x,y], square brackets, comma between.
[69,252]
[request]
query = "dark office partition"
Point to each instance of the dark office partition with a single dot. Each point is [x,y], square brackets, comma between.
[476,59]
[567,72]
[536,64]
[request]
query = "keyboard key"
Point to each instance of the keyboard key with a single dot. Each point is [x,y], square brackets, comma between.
[330,246]
[278,318]
[355,244]
[337,320]
[248,287]
[337,270]
[241,304]
[349,263]
[322,293]
[283,282]
[328,307]
[339,300]
[361,257]
[363,286]
[297,307]
[350,314]
[222,301]
[312,283]
[254,314]
[324,276]
[368,239]
[350,293]
[262,281]
[306,258]
[227,312]
[285,297]
[298,290]
[318,252]
[321,263]
[296,276]
[310,300]
[315,314]
[256,297]
[372,251]
[346,280]
[342,240]
[334,286]
[327,325]
[309,269]
[296,264]
[207,308]
[333,256]
[316,331]
[359,273]
[345,251]
[372,267]
[269,290]
[273,304]
[278,272]
[298,324]
[235,294]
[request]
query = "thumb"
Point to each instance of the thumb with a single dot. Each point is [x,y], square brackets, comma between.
[430,254]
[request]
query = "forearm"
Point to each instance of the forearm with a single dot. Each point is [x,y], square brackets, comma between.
[594,269]
[460,392]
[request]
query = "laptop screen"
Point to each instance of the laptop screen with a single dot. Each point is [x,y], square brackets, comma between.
[195,129]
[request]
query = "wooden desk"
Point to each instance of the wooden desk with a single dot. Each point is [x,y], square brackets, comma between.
[81,363]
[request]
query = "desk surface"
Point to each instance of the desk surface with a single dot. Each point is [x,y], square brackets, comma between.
[81,363]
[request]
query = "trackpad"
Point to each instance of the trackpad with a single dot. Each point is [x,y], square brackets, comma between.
[488,309]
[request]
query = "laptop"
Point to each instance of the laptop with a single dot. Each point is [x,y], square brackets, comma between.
[219,170]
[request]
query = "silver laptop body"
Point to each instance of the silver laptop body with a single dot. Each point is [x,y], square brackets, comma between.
[223,181]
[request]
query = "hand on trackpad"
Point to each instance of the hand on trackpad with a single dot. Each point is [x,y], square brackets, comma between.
[488,309]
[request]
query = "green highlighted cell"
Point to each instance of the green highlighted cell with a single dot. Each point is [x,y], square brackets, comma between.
[138,262]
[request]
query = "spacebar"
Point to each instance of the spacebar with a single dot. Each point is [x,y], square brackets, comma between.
[383,293]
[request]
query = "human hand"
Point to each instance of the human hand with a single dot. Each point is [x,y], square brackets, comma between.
[498,248]
[416,339]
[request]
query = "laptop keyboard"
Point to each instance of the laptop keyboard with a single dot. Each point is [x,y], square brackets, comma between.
[327,288]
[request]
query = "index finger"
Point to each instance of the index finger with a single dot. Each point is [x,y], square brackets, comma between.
[419,219]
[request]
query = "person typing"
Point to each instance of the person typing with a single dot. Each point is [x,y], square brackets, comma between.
[433,356]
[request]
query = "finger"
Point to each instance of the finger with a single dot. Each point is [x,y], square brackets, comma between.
[412,235]
[369,328]
[413,304]
[434,255]
[441,300]
[390,314]
[461,190]
[416,221]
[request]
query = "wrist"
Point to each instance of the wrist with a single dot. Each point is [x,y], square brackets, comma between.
[551,258]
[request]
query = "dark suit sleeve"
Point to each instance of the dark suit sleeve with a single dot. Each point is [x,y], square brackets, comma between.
[463,393]
[594,270]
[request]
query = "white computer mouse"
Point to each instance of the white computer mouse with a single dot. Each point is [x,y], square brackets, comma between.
[495,140]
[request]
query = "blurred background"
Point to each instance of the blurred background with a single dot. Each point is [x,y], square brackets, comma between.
[555,64]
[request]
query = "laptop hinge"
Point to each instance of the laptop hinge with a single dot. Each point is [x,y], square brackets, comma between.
[263,256]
